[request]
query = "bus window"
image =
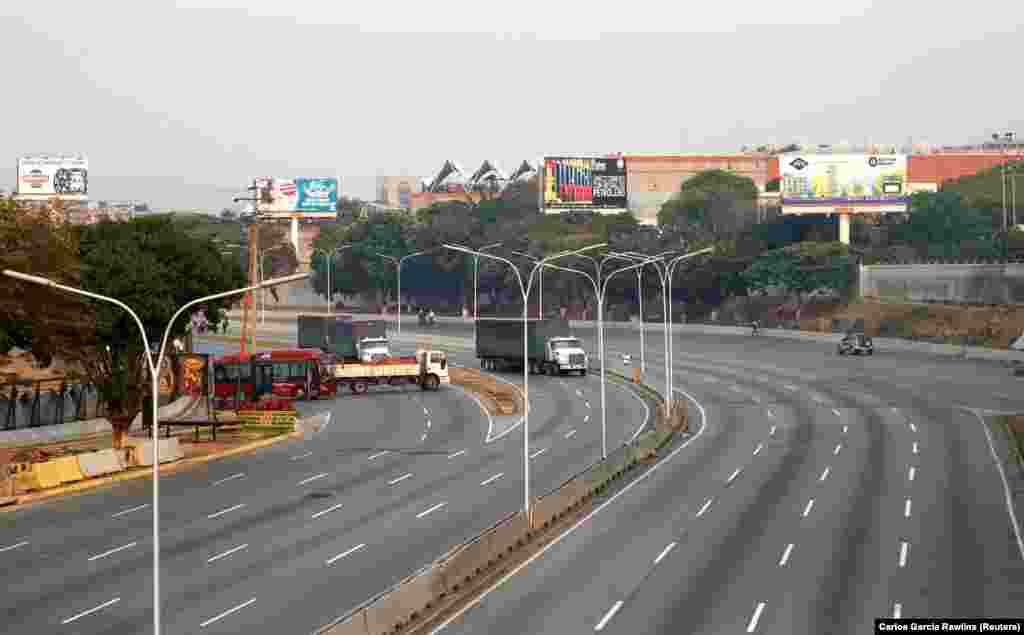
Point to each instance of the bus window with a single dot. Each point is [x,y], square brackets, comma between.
[220,374]
[298,369]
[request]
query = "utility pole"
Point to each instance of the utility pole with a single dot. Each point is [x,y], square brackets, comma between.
[248,308]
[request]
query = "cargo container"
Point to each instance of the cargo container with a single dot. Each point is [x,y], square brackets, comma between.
[349,340]
[550,348]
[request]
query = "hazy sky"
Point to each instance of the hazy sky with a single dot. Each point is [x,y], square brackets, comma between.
[180,104]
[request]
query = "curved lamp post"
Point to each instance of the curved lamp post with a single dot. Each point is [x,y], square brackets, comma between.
[154,371]
[398,265]
[329,256]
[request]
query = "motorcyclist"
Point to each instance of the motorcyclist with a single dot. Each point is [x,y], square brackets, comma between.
[755,327]
[431,318]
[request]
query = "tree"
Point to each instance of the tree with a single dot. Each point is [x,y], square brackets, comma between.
[361,268]
[712,205]
[228,214]
[942,226]
[152,265]
[33,317]
[802,268]
[277,252]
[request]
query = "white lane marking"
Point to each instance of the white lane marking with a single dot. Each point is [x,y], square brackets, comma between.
[914,449]
[431,510]
[314,478]
[1006,484]
[903,553]
[836,412]
[226,613]
[735,388]
[770,413]
[423,438]
[426,412]
[130,510]
[493,478]
[587,404]
[790,387]
[230,478]
[586,418]
[807,510]
[226,511]
[227,553]
[455,454]
[538,453]
[578,393]
[428,423]
[91,611]
[112,551]
[15,546]
[785,555]
[906,509]
[608,616]
[913,428]
[703,509]
[839,447]
[480,598]
[301,456]
[570,433]
[896,410]
[824,474]
[326,511]
[755,398]
[377,455]
[733,476]
[400,479]
[665,552]
[771,432]
[344,553]
[911,473]
[846,429]
[757,450]
[897,608]
[752,626]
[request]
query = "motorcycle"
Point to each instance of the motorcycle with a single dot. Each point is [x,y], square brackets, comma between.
[857,344]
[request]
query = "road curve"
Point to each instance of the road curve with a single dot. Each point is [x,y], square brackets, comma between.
[823,492]
[288,538]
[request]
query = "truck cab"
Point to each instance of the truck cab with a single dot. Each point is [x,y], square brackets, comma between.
[565,355]
[433,364]
[372,349]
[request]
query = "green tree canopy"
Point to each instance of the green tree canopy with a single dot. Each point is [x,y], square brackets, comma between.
[802,268]
[942,226]
[361,268]
[711,205]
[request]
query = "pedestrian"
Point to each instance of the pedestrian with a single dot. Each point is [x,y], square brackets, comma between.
[225,321]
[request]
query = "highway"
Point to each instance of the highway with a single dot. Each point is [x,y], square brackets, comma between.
[819,493]
[290,537]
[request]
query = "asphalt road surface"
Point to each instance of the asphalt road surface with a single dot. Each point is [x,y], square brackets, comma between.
[821,492]
[290,537]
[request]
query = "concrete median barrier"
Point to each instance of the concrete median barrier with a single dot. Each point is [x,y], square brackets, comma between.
[407,602]
[67,469]
[142,451]
[93,464]
[47,474]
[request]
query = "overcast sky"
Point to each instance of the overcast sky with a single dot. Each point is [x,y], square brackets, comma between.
[181,104]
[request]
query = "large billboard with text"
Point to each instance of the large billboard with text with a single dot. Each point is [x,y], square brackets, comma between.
[304,198]
[843,183]
[44,176]
[585,183]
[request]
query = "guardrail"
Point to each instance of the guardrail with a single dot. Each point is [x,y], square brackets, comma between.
[438,585]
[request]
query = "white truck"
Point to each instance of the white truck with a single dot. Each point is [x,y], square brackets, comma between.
[549,349]
[428,369]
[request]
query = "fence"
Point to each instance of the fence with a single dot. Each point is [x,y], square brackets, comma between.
[27,404]
[1001,283]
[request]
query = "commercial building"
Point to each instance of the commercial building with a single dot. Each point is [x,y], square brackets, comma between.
[654,179]
[395,192]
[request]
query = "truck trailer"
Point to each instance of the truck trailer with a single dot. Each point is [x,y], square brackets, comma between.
[428,369]
[350,340]
[551,348]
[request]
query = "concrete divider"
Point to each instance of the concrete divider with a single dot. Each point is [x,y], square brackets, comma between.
[46,474]
[67,469]
[142,451]
[93,464]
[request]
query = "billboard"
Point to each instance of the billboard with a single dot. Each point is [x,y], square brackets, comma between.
[44,176]
[843,183]
[310,198]
[585,184]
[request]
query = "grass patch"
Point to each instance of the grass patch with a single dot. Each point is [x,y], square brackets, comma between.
[268,430]
[1013,427]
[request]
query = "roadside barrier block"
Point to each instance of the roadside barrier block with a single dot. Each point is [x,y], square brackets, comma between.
[47,474]
[354,625]
[67,469]
[100,463]
[399,606]
[142,451]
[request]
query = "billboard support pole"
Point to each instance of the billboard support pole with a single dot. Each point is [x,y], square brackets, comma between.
[844,228]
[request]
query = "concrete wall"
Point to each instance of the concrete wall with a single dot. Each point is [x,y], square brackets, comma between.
[967,284]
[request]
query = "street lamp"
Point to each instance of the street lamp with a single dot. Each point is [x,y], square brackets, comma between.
[398,264]
[154,373]
[525,291]
[540,286]
[329,256]
[263,294]
[476,292]
[599,291]
[632,257]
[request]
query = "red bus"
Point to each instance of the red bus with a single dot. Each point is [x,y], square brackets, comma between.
[293,374]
